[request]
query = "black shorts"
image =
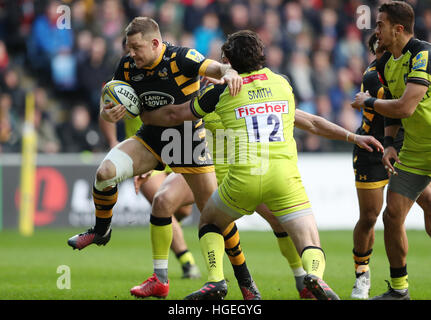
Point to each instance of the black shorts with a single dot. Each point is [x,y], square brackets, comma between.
[183,147]
[369,170]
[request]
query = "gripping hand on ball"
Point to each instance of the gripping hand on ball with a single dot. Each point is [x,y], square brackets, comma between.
[112,113]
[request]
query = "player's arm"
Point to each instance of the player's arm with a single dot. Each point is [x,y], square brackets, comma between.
[109,131]
[110,112]
[400,108]
[225,73]
[197,108]
[390,154]
[169,116]
[322,127]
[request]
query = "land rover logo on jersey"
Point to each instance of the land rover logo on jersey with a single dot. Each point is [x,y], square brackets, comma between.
[155,99]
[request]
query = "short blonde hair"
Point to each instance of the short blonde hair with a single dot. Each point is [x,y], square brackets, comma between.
[143,25]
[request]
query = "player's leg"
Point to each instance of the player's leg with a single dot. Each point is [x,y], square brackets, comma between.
[171,195]
[370,205]
[211,240]
[424,201]
[301,226]
[287,249]
[203,185]
[178,245]
[125,160]
[403,190]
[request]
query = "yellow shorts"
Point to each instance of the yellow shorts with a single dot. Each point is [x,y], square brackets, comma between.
[280,188]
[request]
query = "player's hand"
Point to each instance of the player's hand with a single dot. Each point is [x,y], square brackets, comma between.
[113,113]
[360,98]
[390,156]
[233,80]
[207,80]
[368,143]
[139,180]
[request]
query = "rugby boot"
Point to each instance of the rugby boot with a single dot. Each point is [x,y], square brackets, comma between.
[152,287]
[190,271]
[250,291]
[319,288]
[304,293]
[361,289]
[82,240]
[393,294]
[210,291]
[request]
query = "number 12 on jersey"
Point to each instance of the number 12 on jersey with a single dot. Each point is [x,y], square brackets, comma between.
[264,120]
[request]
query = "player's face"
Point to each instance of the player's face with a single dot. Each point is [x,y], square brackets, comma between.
[142,51]
[385,31]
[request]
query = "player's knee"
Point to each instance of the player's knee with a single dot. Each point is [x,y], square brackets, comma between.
[163,204]
[115,168]
[390,216]
[106,171]
[369,218]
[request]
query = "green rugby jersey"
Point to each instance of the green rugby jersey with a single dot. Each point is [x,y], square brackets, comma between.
[412,66]
[259,120]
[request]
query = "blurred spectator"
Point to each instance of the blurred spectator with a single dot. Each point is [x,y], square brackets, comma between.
[135,8]
[171,15]
[343,90]
[93,73]
[239,18]
[275,59]
[300,74]
[9,126]
[80,16]
[111,20]
[194,13]
[47,139]
[47,41]
[323,76]
[315,42]
[208,32]
[82,50]
[351,45]
[79,134]
[4,57]
[11,86]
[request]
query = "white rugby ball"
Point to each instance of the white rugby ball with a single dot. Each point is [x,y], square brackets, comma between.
[120,92]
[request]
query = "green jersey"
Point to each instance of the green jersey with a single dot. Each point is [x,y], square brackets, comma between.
[412,66]
[256,140]
[259,119]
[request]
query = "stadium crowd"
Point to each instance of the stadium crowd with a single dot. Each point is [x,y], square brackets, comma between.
[317,43]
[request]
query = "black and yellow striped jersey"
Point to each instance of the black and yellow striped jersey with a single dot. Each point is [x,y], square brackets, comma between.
[372,122]
[172,79]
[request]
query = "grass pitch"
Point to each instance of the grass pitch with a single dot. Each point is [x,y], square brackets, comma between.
[29,266]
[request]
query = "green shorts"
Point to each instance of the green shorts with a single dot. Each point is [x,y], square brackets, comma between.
[280,188]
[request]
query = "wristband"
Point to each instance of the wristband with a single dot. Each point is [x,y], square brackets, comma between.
[369,103]
[388,141]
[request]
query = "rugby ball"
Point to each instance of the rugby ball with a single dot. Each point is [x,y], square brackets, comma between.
[120,92]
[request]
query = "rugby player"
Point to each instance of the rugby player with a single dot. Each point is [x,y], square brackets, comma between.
[371,176]
[284,155]
[161,74]
[148,184]
[405,71]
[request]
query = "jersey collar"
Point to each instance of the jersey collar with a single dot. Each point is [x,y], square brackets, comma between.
[408,45]
[157,61]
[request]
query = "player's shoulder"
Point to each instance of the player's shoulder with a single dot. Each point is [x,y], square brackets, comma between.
[184,54]
[416,46]
[126,62]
